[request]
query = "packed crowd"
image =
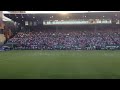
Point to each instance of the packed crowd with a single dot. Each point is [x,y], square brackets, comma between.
[66,39]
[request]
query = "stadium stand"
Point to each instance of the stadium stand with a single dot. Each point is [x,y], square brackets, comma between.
[73,31]
[67,39]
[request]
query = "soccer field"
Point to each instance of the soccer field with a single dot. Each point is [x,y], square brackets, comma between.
[37,64]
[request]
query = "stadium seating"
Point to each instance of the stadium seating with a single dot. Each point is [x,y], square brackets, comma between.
[67,39]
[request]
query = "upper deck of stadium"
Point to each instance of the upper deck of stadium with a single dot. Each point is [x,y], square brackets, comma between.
[62,15]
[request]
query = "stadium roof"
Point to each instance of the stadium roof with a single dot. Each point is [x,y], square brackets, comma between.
[52,12]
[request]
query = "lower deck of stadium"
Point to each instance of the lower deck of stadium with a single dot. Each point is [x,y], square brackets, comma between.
[67,39]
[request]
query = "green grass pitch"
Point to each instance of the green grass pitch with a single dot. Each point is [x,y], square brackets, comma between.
[38,64]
